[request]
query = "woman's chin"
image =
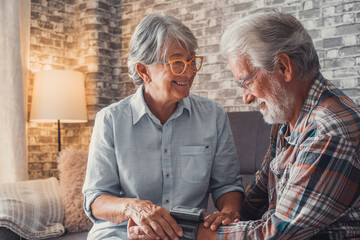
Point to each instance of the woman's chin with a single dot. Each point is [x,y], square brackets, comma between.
[185,95]
[182,91]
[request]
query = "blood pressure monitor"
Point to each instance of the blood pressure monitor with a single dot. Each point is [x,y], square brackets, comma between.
[188,219]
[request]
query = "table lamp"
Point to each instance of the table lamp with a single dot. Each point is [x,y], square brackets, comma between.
[59,95]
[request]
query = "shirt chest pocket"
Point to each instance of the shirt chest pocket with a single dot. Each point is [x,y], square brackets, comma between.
[195,163]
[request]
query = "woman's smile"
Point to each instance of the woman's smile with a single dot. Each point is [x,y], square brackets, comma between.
[182,83]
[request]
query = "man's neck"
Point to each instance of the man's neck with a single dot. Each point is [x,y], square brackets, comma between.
[301,91]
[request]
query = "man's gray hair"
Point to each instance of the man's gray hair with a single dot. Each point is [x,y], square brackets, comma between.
[152,38]
[263,35]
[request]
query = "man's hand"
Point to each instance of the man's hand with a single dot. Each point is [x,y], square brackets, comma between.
[205,233]
[229,205]
[220,218]
[149,221]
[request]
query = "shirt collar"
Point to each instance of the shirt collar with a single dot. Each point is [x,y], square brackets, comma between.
[184,104]
[315,91]
[139,107]
[311,101]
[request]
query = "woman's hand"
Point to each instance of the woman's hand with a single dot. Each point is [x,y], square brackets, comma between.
[134,232]
[220,218]
[149,221]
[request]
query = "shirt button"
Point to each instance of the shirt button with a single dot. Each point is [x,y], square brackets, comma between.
[159,129]
[167,201]
[165,150]
[167,175]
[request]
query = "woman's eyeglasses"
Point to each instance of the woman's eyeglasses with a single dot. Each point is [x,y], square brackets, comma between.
[178,66]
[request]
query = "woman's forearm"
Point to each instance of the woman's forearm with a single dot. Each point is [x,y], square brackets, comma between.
[110,208]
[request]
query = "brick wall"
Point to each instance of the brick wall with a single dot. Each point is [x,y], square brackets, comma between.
[81,35]
[52,46]
[92,36]
[333,24]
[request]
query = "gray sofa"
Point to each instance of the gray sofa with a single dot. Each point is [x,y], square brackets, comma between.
[251,136]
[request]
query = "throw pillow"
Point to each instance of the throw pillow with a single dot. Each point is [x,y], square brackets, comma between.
[32,209]
[72,168]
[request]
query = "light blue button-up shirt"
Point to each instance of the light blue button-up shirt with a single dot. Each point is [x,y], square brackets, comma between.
[133,155]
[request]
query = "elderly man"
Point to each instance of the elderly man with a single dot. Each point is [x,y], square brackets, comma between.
[308,186]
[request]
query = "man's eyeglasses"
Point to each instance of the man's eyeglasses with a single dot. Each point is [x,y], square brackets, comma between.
[243,81]
[178,66]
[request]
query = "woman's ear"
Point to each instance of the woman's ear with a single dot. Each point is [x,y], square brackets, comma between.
[143,71]
[285,66]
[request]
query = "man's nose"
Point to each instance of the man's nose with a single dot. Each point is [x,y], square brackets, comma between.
[247,96]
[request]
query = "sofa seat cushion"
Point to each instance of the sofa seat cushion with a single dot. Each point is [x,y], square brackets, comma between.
[72,236]
[7,234]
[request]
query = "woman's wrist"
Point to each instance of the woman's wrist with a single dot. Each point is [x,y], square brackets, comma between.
[129,206]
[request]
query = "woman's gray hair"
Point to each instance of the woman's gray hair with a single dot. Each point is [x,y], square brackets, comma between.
[263,35]
[152,38]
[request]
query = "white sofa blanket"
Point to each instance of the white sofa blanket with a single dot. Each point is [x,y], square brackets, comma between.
[32,209]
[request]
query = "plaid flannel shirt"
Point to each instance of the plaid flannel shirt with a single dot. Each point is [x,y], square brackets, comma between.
[309,180]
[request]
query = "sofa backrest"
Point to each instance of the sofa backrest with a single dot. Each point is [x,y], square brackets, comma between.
[252,138]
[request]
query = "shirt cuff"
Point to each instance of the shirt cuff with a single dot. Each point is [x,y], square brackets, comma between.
[88,200]
[233,231]
[216,194]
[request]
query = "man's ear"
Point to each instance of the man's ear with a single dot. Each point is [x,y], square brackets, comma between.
[285,67]
[143,71]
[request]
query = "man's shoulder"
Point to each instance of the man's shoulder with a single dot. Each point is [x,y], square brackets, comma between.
[333,103]
[336,114]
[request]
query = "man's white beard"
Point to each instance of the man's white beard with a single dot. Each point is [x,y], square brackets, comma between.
[271,113]
[278,106]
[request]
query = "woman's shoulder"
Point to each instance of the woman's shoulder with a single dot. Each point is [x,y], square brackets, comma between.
[116,107]
[205,102]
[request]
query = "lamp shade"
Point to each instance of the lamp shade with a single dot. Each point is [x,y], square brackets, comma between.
[58,95]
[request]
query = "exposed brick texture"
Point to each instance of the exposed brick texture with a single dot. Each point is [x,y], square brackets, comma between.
[92,36]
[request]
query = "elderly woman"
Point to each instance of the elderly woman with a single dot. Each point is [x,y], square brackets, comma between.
[162,146]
